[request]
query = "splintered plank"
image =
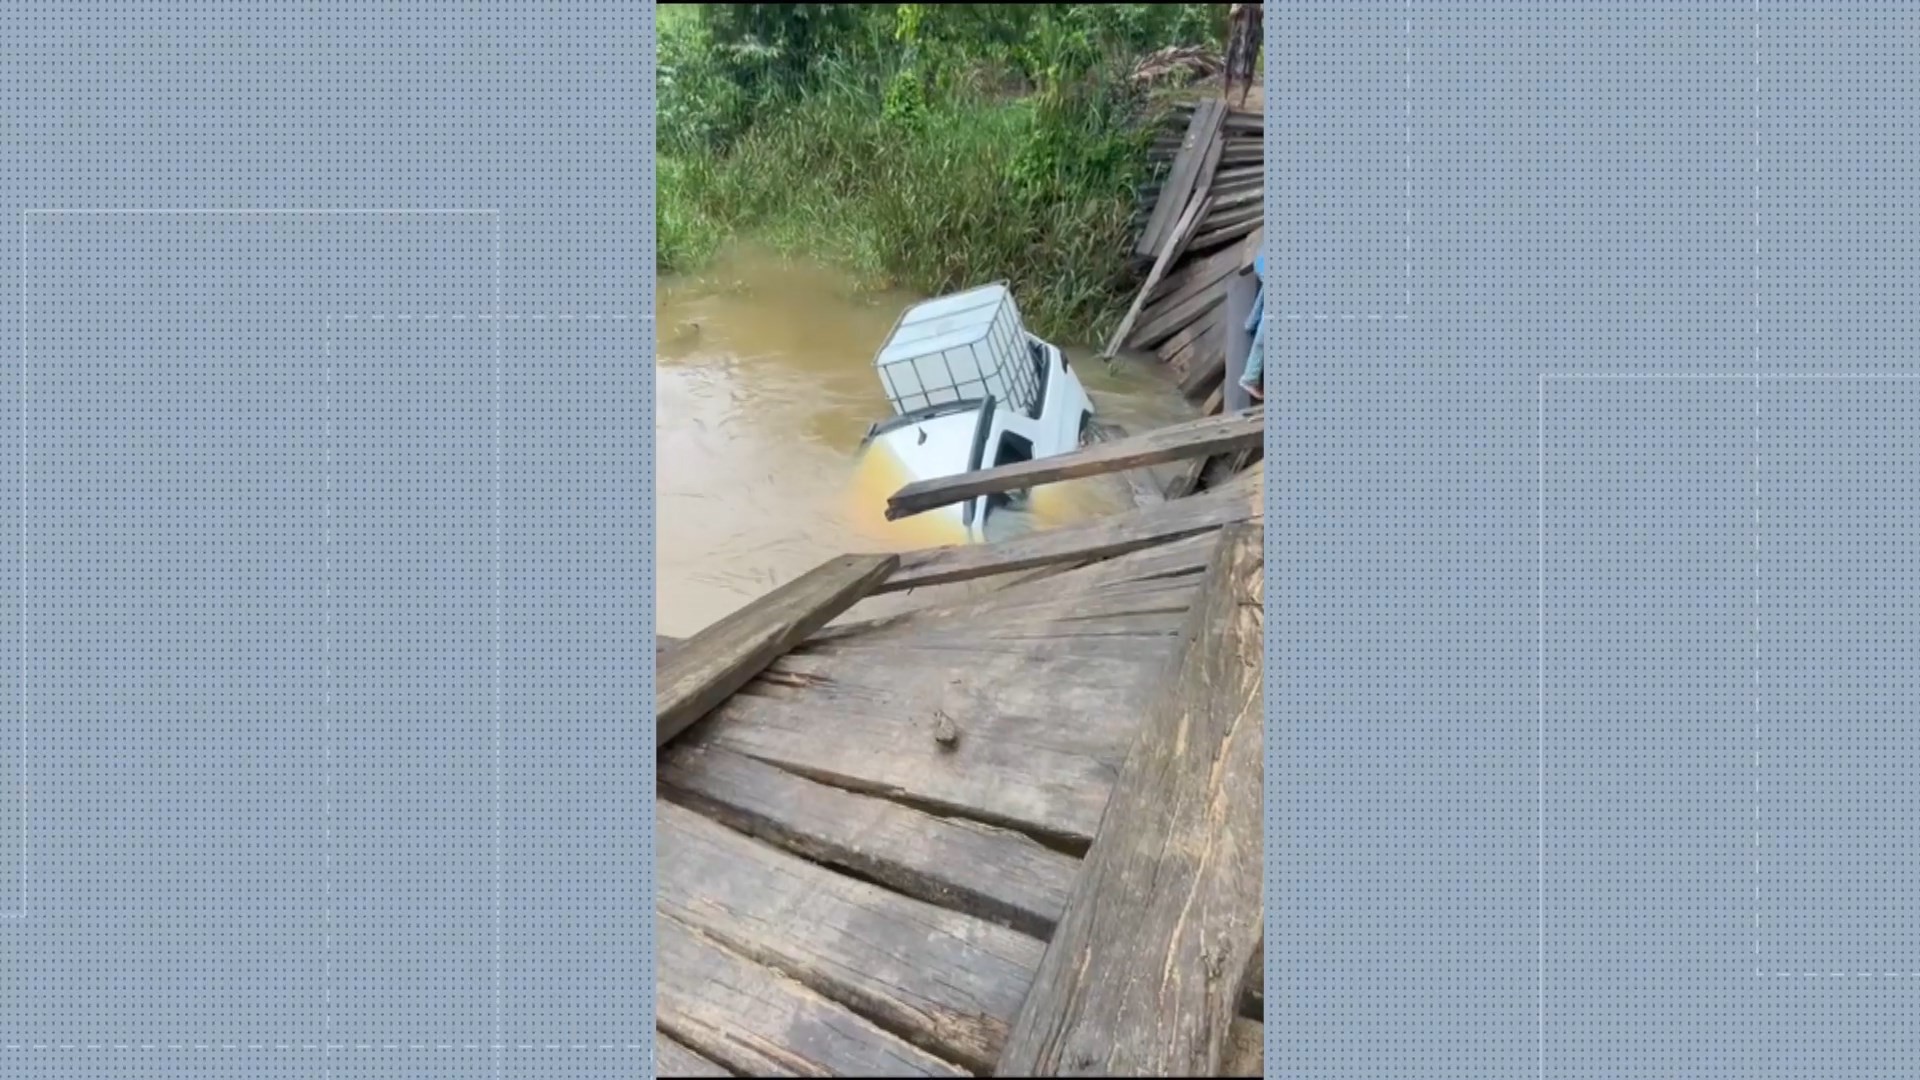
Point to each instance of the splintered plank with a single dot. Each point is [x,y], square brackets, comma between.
[1143,976]
[757,1022]
[993,873]
[1194,438]
[1098,539]
[947,982]
[704,670]
[672,1059]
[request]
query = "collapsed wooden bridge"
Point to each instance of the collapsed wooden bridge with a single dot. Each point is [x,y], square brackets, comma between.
[1016,832]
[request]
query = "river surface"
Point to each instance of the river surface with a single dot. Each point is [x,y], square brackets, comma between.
[765,389]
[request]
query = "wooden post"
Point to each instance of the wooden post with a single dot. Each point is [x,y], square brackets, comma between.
[1144,975]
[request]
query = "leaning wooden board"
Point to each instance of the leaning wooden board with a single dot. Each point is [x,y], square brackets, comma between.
[1144,975]
[704,670]
[1194,438]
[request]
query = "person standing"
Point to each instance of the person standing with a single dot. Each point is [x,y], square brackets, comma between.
[1243,48]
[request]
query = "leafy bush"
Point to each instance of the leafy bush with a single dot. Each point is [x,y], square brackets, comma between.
[926,146]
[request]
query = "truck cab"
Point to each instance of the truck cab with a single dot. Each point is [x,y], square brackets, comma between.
[971,389]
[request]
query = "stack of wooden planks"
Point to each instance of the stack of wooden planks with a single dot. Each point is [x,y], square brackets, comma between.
[1203,225]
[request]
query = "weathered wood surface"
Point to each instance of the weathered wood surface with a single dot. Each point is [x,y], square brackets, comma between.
[1246,1053]
[662,644]
[1194,438]
[947,982]
[672,1059]
[996,874]
[1002,772]
[1103,538]
[703,671]
[755,1022]
[1202,132]
[1143,976]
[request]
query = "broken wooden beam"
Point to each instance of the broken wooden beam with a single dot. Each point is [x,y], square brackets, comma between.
[708,667]
[1207,435]
[1086,542]
[1143,976]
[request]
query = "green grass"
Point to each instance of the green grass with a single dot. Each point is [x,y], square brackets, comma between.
[943,192]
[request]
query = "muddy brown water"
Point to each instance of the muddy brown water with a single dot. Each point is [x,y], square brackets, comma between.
[765,388]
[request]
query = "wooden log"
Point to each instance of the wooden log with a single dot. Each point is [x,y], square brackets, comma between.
[1175,246]
[704,670]
[996,874]
[1246,1052]
[756,1022]
[1208,435]
[1143,976]
[946,982]
[670,1058]
[1092,540]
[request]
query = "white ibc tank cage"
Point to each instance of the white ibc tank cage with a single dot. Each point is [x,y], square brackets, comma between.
[962,347]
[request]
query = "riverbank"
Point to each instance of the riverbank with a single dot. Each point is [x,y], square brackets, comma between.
[923,169]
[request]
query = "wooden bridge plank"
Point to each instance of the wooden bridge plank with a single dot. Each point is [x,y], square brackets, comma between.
[700,673]
[1000,775]
[1144,975]
[757,1022]
[947,982]
[670,1058]
[996,874]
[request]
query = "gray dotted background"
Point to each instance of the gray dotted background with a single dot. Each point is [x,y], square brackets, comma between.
[329,418]
[1592,531]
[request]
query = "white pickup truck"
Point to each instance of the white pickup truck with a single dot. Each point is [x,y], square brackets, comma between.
[971,389]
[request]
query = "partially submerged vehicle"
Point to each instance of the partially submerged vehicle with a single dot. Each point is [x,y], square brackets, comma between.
[971,389]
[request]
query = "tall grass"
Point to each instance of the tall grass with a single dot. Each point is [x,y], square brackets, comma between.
[923,187]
